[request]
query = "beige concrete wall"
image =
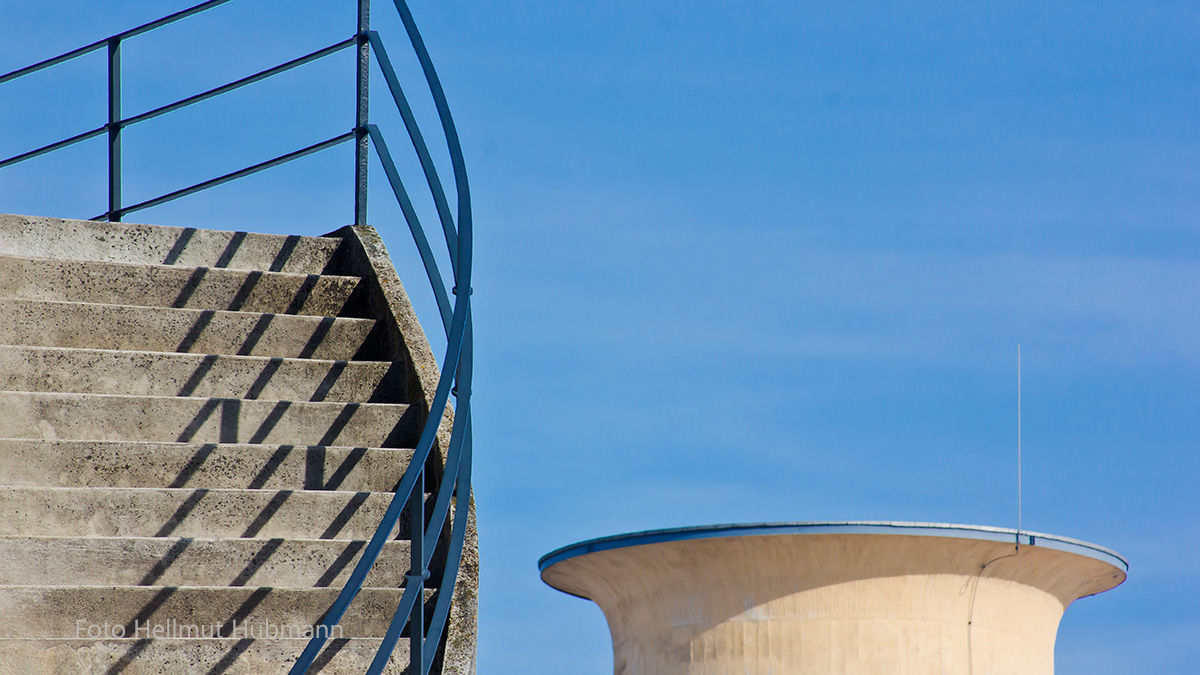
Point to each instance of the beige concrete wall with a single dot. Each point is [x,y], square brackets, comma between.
[824,604]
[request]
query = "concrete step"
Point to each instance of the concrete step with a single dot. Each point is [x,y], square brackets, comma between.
[227,656]
[105,417]
[168,286]
[101,371]
[207,514]
[30,236]
[163,329]
[184,611]
[40,463]
[172,561]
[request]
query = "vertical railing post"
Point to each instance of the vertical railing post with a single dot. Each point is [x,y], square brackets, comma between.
[361,113]
[114,129]
[417,575]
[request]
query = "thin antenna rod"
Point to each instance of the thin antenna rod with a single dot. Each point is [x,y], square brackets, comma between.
[1018,445]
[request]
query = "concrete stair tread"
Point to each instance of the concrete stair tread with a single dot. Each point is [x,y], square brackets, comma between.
[53,279]
[25,608]
[84,463]
[178,561]
[168,329]
[199,426]
[54,416]
[164,245]
[181,512]
[234,656]
[156,373]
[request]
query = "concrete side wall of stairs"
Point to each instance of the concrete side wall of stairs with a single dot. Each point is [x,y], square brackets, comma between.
[198,431]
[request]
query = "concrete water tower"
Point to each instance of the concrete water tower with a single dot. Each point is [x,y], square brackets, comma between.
[833,598]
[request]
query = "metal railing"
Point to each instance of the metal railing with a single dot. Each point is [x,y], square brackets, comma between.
[455,377]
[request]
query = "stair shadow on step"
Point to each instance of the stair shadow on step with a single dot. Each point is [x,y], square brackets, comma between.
[316,475]
[279,261]
[227,661]
[239,615]
[238,303]
[314,479]
[229,428]
[236,239]
[299,297]
[226,630]
[229,432]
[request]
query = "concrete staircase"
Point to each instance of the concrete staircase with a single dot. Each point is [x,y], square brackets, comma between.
[198,431]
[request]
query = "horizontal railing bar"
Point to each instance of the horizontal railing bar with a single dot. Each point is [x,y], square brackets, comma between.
[445,490]
[170,18]
[418,141]
[461,186]
[399,620]
[458,455]
[237,84]
[461,369]
[63,58]
[282,159]
[458,535]
[100,44]
[454,350]
[17,159]
[391,516]
[459,432]
[455,484]
[414,224]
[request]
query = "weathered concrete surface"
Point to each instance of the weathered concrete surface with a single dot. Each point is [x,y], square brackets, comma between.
[239,656]
[201,513]
[176,561]
[833,604]
[165,329]
[204,420]
[405,341]
[189,419]
[36,237]
[463,629]
[102,371]
[170,286]
[208,607]
[399,330]
[41,463]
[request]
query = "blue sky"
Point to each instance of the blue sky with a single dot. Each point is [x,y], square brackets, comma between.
[750,261]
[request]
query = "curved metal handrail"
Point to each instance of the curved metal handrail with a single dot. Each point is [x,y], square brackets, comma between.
[455,377]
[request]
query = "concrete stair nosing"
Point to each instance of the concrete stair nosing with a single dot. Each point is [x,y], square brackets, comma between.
[168,329]
[52,416]
[178,561]
[155,373]
[35,236]
[118,283]
[57,611]
[195,513]
[86,463]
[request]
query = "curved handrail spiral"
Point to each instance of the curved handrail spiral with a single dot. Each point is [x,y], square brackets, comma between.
[454,308]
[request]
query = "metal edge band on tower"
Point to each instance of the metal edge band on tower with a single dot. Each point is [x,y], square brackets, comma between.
[980,532]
